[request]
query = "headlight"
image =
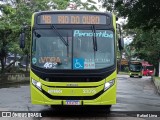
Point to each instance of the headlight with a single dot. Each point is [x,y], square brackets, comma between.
[108,84]
[36,84]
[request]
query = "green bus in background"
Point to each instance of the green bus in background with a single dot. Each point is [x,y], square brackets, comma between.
[73,58]
[135,69]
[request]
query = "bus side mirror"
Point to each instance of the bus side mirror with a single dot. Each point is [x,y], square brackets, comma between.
[22,40]
[116,18]
[121,44]
[22,35]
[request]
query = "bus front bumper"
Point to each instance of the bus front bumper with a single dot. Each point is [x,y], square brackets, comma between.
[108,97]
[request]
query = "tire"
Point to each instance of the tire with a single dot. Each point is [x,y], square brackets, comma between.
[106,108]
[56,107]
[140,76]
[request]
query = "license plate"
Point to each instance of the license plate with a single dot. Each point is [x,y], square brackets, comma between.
[72,102]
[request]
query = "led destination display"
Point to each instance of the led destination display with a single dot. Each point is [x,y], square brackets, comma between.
[73,19]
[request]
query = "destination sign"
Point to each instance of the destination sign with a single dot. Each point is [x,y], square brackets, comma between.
[73,19]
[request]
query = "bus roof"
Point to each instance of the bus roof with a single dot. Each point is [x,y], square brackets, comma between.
[73,11]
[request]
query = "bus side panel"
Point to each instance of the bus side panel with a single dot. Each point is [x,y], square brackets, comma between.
[36,96]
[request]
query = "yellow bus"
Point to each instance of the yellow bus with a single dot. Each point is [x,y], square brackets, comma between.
[73,58]
[135,68]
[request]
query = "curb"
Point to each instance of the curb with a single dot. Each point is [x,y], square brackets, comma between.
[156,83]
[11,78]
[14,82]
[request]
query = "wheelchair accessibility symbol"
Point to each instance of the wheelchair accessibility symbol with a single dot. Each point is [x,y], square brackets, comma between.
[78,63]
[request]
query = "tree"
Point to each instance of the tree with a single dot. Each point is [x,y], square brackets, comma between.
[14,15]
[88,5]
[147,44]
[140,13]
[5,32]
[144,17]
[109,5]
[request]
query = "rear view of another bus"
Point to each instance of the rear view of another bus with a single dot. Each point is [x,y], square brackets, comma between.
[149,70]
[135,69]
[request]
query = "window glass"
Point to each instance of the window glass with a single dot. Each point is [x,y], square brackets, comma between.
[84,53]
[49,50]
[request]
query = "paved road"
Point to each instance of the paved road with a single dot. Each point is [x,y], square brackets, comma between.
[136,94]
[133,94]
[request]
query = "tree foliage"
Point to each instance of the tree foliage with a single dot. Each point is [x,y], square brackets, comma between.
[143,21]
[147,44]
[144,18]
[140,13]
[14,15]
[109,5]
[88,5]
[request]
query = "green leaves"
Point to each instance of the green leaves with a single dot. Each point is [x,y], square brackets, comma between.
[147,45]
[19,12]
[88,5]
[14,14]
[141,13]
[7,9]
[144,19]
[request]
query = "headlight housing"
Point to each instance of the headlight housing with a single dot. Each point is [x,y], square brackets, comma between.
[37,84]
[109,84]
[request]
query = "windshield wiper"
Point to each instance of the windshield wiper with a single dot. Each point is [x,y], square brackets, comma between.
[94,38]
[60,36]
[67,47]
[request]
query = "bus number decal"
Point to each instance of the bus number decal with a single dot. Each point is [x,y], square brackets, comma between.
[55,91]
[87,91]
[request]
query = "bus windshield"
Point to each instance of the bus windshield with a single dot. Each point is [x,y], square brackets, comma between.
[72,49]
[135,67]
